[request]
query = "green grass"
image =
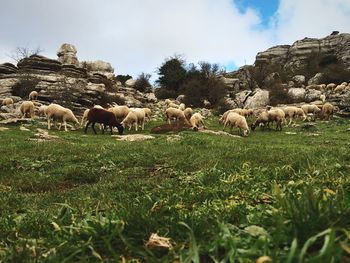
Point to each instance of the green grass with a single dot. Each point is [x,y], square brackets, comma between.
[220,199]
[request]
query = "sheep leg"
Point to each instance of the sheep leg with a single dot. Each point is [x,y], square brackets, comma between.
[65,125]
[87,125]
[143,125]
[111,127]
[93,127]
[136,126]
[48,123]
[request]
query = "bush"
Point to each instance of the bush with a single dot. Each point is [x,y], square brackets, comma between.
[26,84]
[142,82]
[123,78]
[164,93]
[278,94]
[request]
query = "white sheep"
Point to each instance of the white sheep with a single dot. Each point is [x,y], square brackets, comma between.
[120,112]
[172,105]
[148,113]
[182,106]
[42,110]
[177,114]
[327,111]
[196,120]
[310,109]
[188,112]
[33,95]
[129,120]
[7,102]
[292,113]
[141,115]
[27,109]
[235,120]
[59,113]
[274,115]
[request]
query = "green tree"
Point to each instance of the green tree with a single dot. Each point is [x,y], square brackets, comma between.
[172,73]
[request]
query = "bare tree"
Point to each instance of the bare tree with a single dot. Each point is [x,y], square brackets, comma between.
[24,52]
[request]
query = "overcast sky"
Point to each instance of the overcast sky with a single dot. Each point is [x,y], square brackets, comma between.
[137,35]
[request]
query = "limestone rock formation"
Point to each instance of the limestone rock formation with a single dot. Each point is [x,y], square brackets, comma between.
[99,67]
[67,55]
[7,68]
[37,62]
[297,94]
[258,98]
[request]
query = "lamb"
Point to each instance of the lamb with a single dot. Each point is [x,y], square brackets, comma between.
[42,110]
[129,120]
[177,114]
[188,112]
[235,120]
[27,109]
[7,102]
[326,111]
[33,95]
[310,109]
[120,112]
[196,120]
[274,115]
[57,112]
[105,117]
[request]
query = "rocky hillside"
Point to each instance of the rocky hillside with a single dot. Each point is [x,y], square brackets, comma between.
[68,82]
[295,73]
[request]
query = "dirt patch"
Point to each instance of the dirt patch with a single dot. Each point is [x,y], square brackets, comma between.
[3,129]
[174,138]
[133,137]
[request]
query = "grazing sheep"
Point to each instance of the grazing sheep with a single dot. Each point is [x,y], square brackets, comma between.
[235,120]
[188,113]
[292,113]
[42,110]
[196,120]
[105,117]
[172,105]
[182,106]
[129,120]
[141,115]
[236,110]
[148,113]
[7,102]
[120,112]
[177,114]
[85,114]
[326,111]
[274,115]
[62,114]
[340,88]
[27,109]
[331,86]
[167,102]
[310,109]
[33,95]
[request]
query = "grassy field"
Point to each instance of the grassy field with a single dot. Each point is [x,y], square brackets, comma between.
[218,198]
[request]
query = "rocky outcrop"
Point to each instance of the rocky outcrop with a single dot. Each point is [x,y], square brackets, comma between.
[295,57]
[297,94]
[7,68]
[257,99]
[67,55]
[36,62]
[99,67]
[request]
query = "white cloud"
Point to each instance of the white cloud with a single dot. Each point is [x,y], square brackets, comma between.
[296,19]
[136,35]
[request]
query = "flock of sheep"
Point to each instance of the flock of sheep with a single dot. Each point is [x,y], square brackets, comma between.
[123,117]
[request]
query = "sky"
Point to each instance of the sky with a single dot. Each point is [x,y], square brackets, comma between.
[136,36]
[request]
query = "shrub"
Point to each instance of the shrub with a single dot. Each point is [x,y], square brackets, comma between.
[164,93]
[278,94]
[123,78]
[142,82]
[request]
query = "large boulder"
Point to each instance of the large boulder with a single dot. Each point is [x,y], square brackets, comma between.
[316,80]
[299,80]
[99,67]
[130,83]
[67,55]
[312,95]
[297,94]
[257,99]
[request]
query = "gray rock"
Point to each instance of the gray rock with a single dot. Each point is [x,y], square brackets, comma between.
[67,55]
[180,98]
[299,80]
[316,80]
[297,94]
[130,83]
[259,98]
